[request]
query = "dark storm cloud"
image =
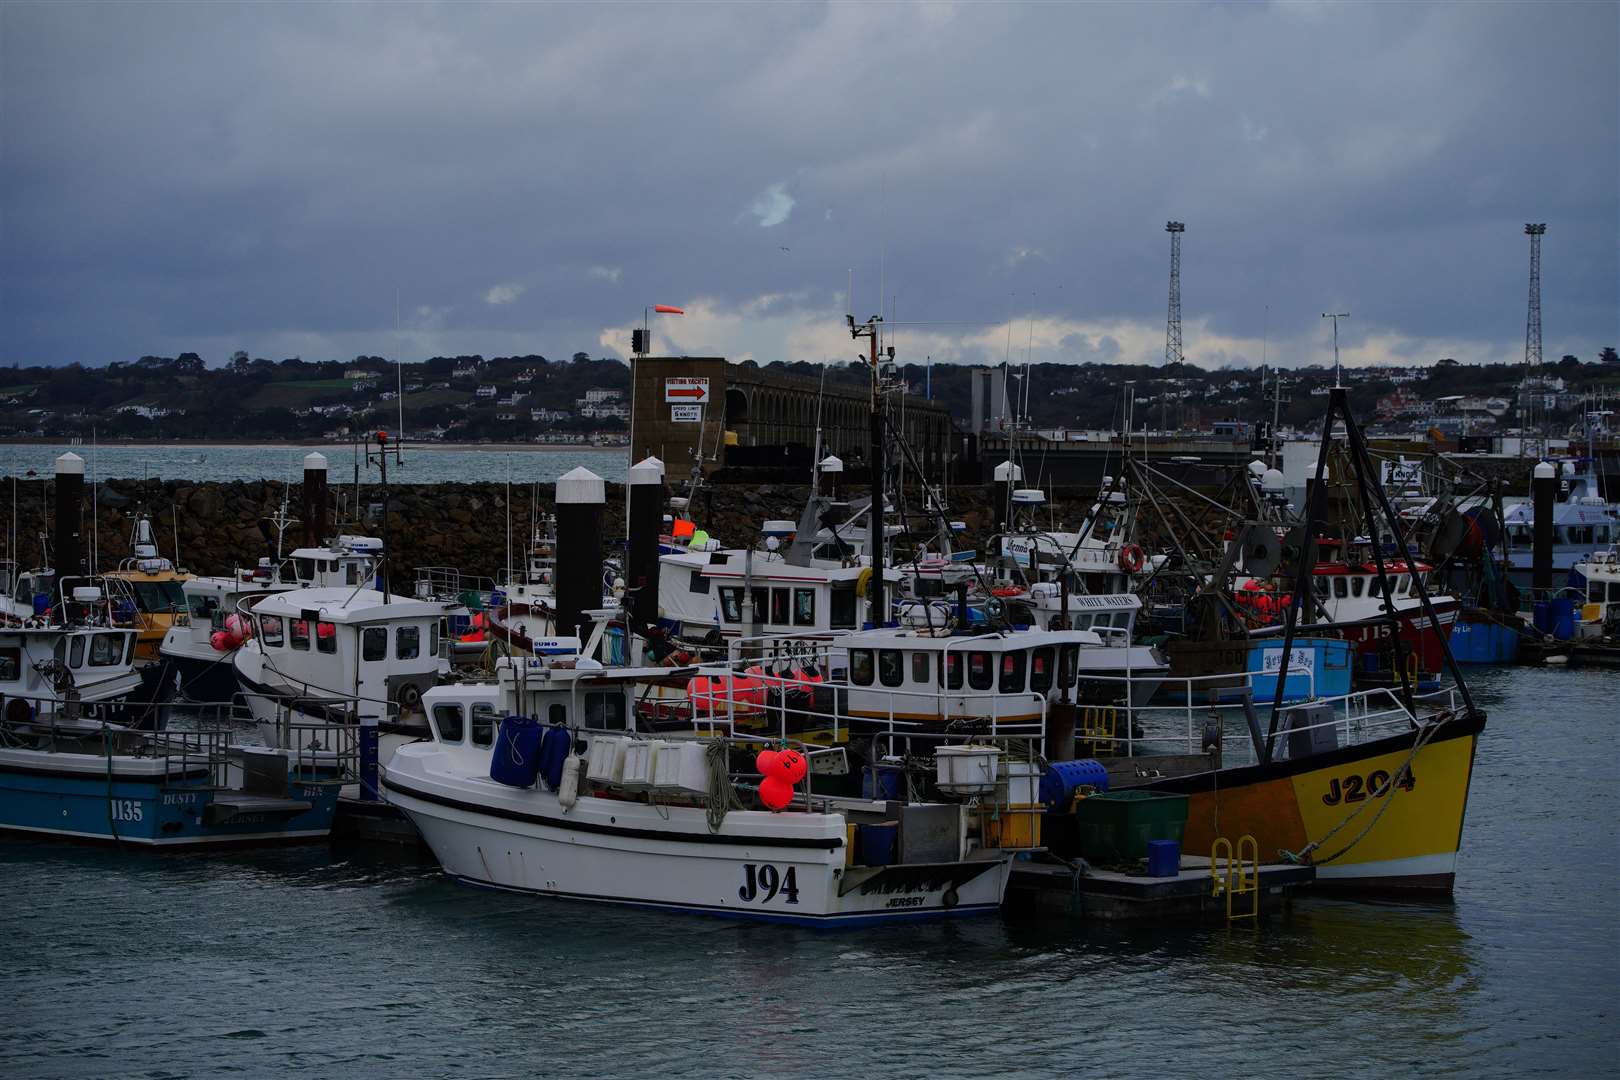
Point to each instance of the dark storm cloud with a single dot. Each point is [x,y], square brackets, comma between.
[529,177]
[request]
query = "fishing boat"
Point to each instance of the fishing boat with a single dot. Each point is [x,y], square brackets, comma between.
[1353,602]
[607,814]
[70,776]
[338,655]
[198,649]
[1370,788]
[152,589]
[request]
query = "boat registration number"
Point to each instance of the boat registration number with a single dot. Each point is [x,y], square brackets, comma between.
[1355,787]
[126,810]
[764,883]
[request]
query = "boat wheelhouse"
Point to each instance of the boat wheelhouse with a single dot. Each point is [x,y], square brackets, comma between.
[341,655]
[1583,521]
[702,593]
[203,672]
[1351,596]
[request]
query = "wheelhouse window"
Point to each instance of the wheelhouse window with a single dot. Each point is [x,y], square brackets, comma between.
[1040,669]
[298,637]
[273,632]
[76,653]
[326,637]
[950,671]
[1357,583]
[604,711]
[762,604]
[921,667]
[10,664]
[841,608]
[697,583]
[129,648]
[1071,665]
[804,607]
[1341,588]
[449,721]
[1012,672]
[105,649]
[891,667]
[433,638]
[557,713]
[981,675]
[860,667]
[202,608]
[483,720]
[407,642]
[374,643]
[731,603]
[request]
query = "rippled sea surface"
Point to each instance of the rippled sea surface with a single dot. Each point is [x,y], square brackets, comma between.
[422,465]
[310,963]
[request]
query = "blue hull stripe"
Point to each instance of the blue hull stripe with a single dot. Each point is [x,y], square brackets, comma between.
[858,918]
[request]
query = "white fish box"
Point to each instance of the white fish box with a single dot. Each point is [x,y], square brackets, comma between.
[639,761]
[604,759]
[681,766]
[1020,784]
[967,770]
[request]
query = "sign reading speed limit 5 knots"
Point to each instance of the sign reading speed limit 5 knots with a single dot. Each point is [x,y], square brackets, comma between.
[686,390]
[686,414]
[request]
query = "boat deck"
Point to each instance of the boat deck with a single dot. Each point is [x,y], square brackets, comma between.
[1112,896]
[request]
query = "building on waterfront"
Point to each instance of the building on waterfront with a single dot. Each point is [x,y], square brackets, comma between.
[743,415]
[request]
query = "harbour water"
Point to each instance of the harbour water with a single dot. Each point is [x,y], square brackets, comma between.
[425,464]
[307,962]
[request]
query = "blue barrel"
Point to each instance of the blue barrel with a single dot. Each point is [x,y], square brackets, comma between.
[516,759]
[42,603]
[1164,858]
[1541,616]
[1561,617]
[881,782]
[874,844]
[554,747]
[1062,778]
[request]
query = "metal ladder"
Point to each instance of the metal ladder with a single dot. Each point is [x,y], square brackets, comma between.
[1246,866]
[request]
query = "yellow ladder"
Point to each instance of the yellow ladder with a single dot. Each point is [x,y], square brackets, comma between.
[1247,867]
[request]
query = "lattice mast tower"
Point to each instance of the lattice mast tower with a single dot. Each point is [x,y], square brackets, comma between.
[1172,328]
[1532,415]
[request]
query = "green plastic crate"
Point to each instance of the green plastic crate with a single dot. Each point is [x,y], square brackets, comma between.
[1117,825]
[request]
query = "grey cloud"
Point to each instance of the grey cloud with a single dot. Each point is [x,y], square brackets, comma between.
[182,174]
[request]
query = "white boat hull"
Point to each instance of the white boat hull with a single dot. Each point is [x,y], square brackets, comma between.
[782,868]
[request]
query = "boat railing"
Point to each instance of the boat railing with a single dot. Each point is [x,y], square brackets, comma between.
[318,748]
[448,585]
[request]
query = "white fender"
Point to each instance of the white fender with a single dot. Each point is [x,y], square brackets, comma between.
[568,790]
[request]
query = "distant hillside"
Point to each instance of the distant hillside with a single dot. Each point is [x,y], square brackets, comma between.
[531,397]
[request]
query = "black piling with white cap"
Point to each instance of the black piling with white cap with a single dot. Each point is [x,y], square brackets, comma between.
[1544,504]
[646,519]
[68,541]
[314,510]
[580,499]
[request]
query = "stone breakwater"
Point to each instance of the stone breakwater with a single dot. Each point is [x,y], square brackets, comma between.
[216,525]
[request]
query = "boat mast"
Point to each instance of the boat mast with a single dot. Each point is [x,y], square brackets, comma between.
[874,589]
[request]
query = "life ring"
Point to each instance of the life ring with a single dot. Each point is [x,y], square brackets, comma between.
[1131,558]
[863,582]
[1007,590]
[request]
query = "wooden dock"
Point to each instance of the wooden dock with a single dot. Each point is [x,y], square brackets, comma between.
[1111,896]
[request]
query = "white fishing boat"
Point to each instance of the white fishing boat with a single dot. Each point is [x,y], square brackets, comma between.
[599,811]
[200,660]
[1583,520]
[342,656]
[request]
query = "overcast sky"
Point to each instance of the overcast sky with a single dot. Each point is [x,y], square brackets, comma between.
[526,178]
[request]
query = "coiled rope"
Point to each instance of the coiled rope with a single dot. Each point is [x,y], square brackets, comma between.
[722,798]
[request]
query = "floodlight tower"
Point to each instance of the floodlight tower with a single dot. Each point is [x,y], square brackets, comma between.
[1528,413]
[1172,329]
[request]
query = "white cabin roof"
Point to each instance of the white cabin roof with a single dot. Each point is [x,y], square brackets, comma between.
[345,604]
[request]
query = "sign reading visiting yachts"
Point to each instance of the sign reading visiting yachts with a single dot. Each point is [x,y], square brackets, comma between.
[686,390]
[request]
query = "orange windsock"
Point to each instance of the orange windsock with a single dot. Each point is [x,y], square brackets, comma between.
[666,309]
